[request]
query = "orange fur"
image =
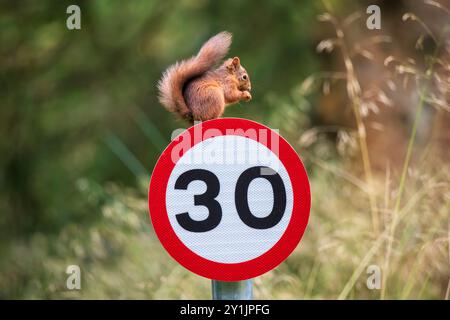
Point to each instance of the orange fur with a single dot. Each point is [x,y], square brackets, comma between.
[196,91]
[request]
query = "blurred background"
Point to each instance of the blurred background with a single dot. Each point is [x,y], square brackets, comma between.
[81,129]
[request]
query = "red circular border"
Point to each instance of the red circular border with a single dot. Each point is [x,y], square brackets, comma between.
[230,271]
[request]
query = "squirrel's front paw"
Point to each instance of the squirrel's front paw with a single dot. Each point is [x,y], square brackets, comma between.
[246,96]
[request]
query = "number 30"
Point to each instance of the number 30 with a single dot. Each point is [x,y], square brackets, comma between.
[208,199]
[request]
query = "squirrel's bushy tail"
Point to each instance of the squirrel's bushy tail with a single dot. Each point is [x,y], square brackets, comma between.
[175,77]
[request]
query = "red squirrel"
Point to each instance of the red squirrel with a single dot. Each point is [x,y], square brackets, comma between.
[196,90]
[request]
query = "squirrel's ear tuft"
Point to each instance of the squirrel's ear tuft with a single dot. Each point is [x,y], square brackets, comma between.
[232,64]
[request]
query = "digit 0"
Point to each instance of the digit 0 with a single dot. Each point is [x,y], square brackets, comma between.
[241,197]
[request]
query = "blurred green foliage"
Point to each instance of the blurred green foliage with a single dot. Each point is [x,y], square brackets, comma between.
[81,129]
[82,103]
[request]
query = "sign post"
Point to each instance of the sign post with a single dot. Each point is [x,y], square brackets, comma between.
[238,290]
[229,199]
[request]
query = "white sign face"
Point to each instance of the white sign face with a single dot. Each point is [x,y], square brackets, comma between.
[205,189]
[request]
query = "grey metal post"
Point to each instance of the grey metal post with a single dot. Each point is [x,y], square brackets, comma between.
[239,290]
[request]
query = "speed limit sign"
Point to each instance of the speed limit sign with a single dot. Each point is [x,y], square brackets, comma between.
[229,199]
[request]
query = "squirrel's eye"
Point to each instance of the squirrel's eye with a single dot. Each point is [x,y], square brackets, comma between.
[244,77]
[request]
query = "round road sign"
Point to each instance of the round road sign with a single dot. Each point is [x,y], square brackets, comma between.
[229,199]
